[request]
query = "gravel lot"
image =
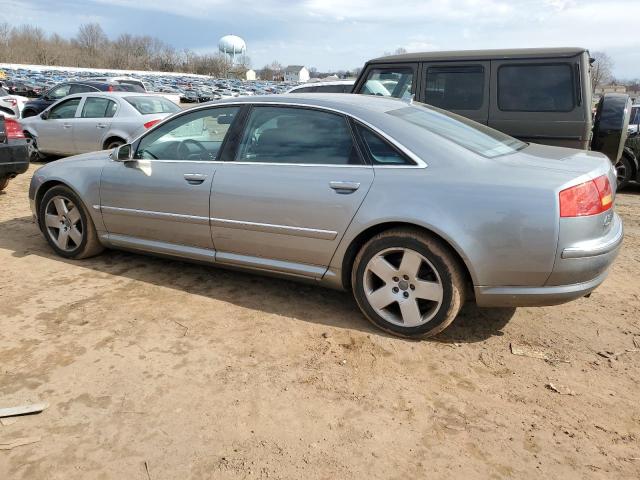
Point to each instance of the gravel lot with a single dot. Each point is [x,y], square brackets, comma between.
[158,369]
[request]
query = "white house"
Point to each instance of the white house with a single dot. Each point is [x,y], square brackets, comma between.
[296,73]
[250,75]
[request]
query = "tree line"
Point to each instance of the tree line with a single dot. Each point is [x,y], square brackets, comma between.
[91,48]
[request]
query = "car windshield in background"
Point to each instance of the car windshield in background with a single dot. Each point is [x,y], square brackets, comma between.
[473,136]
[3,92]
[635,116]
[131,86]
[151,105]
[387,82]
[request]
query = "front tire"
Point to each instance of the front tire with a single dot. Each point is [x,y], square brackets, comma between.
[67,225]
[408,283]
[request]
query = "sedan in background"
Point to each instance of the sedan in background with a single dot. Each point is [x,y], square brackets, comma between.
[11,105]
[412,208]
[338,86]
[94,121]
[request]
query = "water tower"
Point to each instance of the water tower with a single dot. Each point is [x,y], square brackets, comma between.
[232,46]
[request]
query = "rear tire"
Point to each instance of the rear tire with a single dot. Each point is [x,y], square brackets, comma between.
[610,125]
[4,181]
[408,283]
[625,171]
[114,143]
[67,225]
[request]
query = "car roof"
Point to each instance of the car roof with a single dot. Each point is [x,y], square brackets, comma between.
[348,103]
[506,54]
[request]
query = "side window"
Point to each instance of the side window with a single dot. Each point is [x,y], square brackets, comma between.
[66,109]
[455,88]
[59,92]
[78,88]
[297,135]
[193,136]
[379,150]
[95,107]
[536,88]
[388,82]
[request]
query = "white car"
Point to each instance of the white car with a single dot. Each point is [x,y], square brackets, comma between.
[11,105]
[92,121]
[341,86]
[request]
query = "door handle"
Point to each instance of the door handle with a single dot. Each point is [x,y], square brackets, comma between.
[195,178]
[101,125]
[66,125]
[344,187]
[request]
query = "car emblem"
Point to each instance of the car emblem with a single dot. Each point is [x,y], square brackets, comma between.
[607,219]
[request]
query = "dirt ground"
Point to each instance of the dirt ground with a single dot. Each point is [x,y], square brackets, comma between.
[157,369]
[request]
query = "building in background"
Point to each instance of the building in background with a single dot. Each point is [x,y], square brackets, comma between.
[296,73]
[250,75]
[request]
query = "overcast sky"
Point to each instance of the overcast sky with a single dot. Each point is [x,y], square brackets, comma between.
[343,34]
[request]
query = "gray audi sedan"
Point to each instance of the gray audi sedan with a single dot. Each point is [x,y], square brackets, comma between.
[413,209]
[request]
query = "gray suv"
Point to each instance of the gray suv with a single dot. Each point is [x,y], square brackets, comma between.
[540,95]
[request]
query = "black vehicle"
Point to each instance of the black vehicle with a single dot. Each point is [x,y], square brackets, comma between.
[14,150]
[34,107]
[539,95]
[189,96]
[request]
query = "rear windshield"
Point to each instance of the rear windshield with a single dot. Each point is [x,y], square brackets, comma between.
[128,87]
[471,135]
[150,105]
[137,85]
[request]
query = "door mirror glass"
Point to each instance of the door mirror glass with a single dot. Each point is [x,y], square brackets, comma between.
[123,153]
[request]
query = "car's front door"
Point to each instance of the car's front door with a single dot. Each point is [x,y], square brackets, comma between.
[293,183]
[91,126]
[55,128]
[160,199]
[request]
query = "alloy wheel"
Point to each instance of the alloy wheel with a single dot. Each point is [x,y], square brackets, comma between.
[64,223]
[403,287]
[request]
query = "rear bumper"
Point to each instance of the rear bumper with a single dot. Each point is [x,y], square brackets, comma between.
[14,158]
[535,296]
[582,268]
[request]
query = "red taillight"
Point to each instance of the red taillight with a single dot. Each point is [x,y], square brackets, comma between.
[151,123]
[588,198]
[13,129]
[110,88]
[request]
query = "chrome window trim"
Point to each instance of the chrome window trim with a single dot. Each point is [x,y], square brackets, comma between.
[271,228]
[419,162]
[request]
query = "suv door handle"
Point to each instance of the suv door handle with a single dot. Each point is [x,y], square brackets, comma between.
[344,187]
[101,125]
[195,178]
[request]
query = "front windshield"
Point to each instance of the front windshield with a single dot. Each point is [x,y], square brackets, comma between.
[471,135]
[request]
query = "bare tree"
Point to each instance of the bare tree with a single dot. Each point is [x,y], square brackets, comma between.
[601,70]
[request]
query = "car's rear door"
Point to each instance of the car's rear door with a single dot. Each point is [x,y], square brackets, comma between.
[96,115]
[160,199]
[293,183]
[459,87]
[55,131]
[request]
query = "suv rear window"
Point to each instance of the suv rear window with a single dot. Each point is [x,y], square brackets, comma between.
[455,88]
[471,135]
[150,105]
[536,88]
[388,82]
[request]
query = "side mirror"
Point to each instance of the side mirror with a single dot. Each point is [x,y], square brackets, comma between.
[123,153]
[44,115]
